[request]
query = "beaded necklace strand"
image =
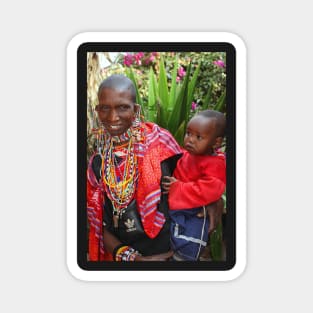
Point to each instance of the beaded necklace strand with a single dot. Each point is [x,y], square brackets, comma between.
[119,191]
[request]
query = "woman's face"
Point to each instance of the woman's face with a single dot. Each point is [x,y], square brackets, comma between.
[116,110]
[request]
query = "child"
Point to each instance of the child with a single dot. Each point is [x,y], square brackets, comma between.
[198,180]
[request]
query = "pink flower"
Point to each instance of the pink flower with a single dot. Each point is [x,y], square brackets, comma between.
[194,106]
[178,79]
[181,72]
[137,57]
[150,59]
[128,59]
[219,63]
[140,54]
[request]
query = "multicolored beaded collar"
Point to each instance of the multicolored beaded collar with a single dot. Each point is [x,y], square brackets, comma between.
[120,183]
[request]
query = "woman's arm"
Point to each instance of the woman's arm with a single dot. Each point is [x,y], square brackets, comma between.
[111,242]
[214,211]
[156,257]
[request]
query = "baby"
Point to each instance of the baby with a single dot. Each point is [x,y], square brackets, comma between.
[198,180]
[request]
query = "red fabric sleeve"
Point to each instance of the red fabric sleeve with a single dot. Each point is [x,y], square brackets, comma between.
[95,200]
[195,194]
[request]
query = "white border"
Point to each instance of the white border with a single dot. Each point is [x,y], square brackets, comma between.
[239,267]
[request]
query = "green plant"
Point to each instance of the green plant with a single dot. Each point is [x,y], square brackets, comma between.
[216,243]
[169,103]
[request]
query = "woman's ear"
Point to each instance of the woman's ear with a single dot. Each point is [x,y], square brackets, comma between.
[137,107]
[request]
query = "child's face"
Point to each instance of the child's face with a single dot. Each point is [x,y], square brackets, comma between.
[200,135]
[116,110]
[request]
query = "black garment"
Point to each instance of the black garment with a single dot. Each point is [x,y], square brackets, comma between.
[145,245]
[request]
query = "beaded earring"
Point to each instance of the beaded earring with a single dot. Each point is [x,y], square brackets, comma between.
[136,125]
[136,121]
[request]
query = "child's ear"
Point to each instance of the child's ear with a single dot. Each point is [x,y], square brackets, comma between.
[218,142]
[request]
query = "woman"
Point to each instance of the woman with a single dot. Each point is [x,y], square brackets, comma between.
[127,216]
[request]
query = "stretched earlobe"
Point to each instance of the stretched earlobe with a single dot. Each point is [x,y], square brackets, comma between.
[137,108]
[136,120]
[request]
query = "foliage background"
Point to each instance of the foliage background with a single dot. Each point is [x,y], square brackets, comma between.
[171,86]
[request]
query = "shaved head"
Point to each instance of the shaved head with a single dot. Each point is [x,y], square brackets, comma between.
[119,83]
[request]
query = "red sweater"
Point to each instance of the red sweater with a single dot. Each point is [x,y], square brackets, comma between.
[201,180]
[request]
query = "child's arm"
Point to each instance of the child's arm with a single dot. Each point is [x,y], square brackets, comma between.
[167,181]
[194,194]
[208,188]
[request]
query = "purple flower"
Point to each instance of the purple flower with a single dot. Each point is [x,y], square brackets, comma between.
[181,72]
[219,63]
[194,106]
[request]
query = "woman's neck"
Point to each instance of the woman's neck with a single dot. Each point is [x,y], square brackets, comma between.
[121,139]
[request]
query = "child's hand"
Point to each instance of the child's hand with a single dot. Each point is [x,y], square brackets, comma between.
[166,183]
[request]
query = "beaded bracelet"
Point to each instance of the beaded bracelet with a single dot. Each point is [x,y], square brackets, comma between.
[124,253]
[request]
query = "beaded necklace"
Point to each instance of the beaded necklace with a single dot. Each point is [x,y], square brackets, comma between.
[120,189]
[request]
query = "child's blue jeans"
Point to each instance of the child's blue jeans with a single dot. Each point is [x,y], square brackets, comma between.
[189,233]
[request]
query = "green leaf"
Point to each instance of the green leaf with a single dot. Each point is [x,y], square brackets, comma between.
[151,89]
[162,121]
[163,88]
[179,111]
[131,75]
[220,105]
[185,106]
[155,86]
[216,243]
[173,86]
[191,89]
[207,98]
[152,109]
[179,135]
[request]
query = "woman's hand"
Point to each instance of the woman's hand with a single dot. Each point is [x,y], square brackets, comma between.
[156,257]
[214,211]
[166,183]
